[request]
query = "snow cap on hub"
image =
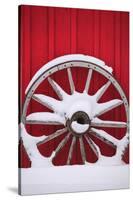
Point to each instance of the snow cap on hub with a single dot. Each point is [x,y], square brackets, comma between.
[79,123]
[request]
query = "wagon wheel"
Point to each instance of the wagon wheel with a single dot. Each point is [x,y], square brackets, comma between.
[78,112]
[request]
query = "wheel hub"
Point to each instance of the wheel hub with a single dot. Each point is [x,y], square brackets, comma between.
[79,123]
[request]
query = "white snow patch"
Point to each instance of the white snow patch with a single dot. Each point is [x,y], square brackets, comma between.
[117,158]
[97,120]
[102,107]
[79,128]
[105,135]
[73,178]
[47,101]
[46,117]
[78,102]
[66,58]
[30,144]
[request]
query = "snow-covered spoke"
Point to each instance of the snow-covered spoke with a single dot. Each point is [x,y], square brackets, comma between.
[87,85]
[62,144]
[112,124]
[102,108]
[104,136]
[102,90]
[71,150]
[92,145]
[45,118]
[71,82]
[82,150]
[47,101]
[59,91]
[53,135]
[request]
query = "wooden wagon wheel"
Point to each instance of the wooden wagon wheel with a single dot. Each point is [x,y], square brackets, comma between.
[79,113]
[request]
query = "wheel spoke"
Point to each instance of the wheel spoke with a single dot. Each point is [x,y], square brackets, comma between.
[102,90]
[107,106]
[82,149]
[62,144]
[71,82]
[92,145]
[59,91]
[87,85]
[112,124]
[47,101]
[104,136]
[71,150]
[44,118]
[53,135]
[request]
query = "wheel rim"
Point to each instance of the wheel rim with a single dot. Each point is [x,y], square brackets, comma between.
[76,120]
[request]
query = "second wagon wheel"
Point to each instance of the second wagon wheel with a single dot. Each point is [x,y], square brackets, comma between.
[78,108]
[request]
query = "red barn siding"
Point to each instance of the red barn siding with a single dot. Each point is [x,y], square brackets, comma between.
[47,32]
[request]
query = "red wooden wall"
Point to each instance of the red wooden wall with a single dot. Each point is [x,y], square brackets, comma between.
[46,33]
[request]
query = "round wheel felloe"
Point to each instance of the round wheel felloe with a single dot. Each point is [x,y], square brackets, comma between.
[78,112]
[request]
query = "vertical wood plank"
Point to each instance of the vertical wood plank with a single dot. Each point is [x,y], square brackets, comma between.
[96,33]
[24,70]
[85,31]
[125,51]
[73,29]
[51,32]
[25,73]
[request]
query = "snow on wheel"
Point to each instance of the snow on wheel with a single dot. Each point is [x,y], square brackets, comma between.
[79,113]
